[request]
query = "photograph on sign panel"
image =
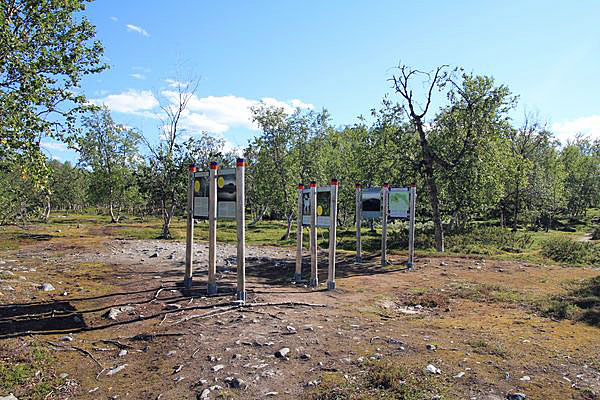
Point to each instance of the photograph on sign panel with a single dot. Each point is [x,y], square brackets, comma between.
[371,200]
[201,186]
[324,203]
[306,203]
[226,187]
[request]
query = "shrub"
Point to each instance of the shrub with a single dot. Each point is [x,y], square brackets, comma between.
[569,251]
[488,240]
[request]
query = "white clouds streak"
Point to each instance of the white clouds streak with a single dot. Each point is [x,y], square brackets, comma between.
[138,76]
[138,29]
[588,126]
[215,114]
[131,101]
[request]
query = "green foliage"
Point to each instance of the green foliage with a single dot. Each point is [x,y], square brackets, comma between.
[46,47]
[569,251]
[109,151]
[581,303]
[492,238]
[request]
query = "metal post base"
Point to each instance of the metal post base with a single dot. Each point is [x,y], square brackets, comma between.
[409,264]
[297,277]
[240,296]
[330,285]
[212,288]
[314,282]
[358,259]
[187,282]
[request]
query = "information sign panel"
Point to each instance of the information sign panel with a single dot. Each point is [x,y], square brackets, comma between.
[323,206]
[201,195]
[226,194]
[371,203]
[399,203]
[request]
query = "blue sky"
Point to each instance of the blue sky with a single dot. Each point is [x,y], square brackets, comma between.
[338,55]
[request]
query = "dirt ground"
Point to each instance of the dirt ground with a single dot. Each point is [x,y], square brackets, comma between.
[471,318]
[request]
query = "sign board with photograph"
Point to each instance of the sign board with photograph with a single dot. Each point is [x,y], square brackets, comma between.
[201,195]
[323,206]
[371,203]
[399,202]
[226,194]
[226,190]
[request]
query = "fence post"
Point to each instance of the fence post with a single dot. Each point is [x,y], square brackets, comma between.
[332,235]
[358,215]
[299,229]
[314,278]
[411,226]
[189,239]
[212,228]
[240,216]
[384,225]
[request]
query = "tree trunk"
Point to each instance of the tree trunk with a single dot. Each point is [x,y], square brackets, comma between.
[289,226]
[516,212]
[259,216]
[113,219]
[435,205]
[167,217]
[47,210]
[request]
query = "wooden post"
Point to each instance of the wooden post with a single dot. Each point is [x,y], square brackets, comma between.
[332,235]
[358,222]
[240,216]
[384,218]
[298,273]
[189,239]
[314,278]
[411,227]
[212,228]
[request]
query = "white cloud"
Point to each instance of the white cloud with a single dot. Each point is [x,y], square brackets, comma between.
[138,29]
[131,101]
[54,146]
[588,126]
[138,76]
[114,19]
[214,114]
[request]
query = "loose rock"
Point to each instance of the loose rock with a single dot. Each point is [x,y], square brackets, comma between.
[116,370]
[282,353]
[433,369]
[47,287]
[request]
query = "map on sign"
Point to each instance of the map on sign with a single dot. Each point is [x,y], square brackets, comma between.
[323,206]
[371,203]
[399,202]
[226,194]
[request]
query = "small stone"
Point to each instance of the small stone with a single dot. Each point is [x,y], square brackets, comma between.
[269,394]
[444,264]
[431,347]
[154,255]
[218,367]
[525,378]
[236,356]
[516,396]
[64,375]
[171,353]
[308,328]
[123,353]
[172,306]
[305,356]
[204,394]
[66,339]
[47,287]
[236,383]
[459,375]
[116,370]
[93,390]
[433,369]
[290,329]
[282,353]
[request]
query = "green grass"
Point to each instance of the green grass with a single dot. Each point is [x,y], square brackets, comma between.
[384,379]
[483,292]
[580,303]
[20,377]
[568,251]
[481,346]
